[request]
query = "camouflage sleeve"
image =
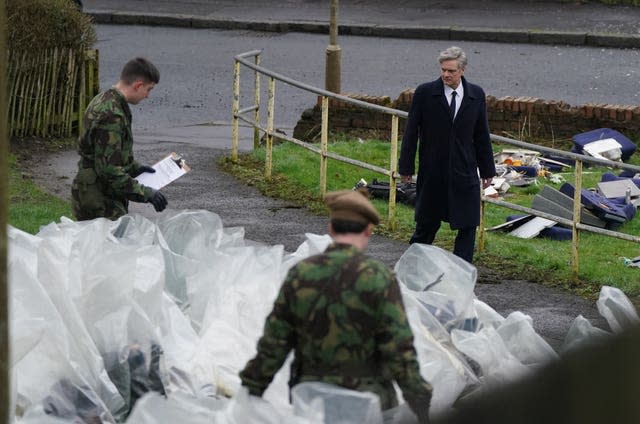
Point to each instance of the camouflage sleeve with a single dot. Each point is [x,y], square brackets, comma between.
[277,340]
[109,160]
[395,343]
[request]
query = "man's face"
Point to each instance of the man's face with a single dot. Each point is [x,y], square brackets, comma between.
[450,73]
[140,91]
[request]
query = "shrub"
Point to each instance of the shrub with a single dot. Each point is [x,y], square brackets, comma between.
[43,24]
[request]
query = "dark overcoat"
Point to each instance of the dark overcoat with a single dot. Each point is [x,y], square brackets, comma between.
[450,154]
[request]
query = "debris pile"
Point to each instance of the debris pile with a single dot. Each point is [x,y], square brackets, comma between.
[609,205]
[604,143]
[521,168]
[405,192]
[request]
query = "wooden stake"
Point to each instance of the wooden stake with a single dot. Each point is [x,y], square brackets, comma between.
[5,381]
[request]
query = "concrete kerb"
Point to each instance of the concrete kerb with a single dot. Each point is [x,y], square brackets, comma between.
[558,37]
[490,34]
[613,40]
[393,31]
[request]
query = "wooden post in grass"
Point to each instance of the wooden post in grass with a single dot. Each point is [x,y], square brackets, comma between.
[235,107]
[575,234]
[5,383]
[393,166]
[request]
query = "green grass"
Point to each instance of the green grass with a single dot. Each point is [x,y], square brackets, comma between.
[296,179]
[29,206]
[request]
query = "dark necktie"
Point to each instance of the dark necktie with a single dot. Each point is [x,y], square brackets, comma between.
[452,105]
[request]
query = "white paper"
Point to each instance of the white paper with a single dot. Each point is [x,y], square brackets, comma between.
[167,170]
[532,228]
[607,148]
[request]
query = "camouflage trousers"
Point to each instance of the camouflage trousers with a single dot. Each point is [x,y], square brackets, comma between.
[88,201]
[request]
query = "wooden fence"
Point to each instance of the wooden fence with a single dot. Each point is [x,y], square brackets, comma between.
[49,90]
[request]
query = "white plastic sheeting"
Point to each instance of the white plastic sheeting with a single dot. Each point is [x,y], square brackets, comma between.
[103,311]
[320,402]
[581,332]
[617,309]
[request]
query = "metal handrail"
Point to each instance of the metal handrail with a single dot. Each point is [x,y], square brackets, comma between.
[270,133]
[562,153]
[242,59]
[317,150]
[563,221]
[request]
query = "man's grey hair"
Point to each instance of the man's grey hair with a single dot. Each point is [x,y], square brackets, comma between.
[454,53]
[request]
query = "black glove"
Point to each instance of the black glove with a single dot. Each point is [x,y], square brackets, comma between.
[423,418]
[158,200]
[419,406]
[143,169]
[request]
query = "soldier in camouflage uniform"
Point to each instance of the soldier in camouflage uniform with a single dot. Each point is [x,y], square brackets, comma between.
[105,182]
[342,313]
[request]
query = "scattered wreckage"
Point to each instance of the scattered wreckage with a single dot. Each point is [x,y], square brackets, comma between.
[613,202]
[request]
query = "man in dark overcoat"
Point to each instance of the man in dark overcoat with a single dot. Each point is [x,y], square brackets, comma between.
[454,153]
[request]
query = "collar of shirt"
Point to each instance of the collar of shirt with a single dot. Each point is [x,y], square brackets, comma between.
[340,246]
[460,92]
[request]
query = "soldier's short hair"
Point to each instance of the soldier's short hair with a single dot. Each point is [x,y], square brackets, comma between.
[139,69]
[341,226]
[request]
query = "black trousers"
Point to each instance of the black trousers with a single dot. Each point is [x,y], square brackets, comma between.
[465,239]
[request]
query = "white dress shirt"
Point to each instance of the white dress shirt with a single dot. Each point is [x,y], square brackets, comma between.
[459,93]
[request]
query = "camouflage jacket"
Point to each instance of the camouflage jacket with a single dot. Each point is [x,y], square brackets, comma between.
[342,313]
[106,146]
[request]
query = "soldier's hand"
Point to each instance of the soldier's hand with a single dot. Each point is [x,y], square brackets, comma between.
[143,169]
[158,201]
[424,418]
[420,407]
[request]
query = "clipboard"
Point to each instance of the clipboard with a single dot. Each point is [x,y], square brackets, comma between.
[168,169]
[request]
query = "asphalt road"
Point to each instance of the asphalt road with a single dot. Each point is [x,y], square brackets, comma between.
[196,70]
[195,88]
[555,16]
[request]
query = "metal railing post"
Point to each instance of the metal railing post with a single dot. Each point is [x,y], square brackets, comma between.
[235,107]
[575,234]
[324,143]
[393,167]
[333,52]
[256,102]
[270,111]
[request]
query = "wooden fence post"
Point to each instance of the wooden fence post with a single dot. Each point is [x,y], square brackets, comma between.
[5,382]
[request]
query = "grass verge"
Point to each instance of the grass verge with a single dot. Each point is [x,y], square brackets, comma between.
[29,206]
[295,179]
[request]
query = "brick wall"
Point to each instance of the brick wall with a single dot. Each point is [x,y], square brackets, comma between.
[547,122]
